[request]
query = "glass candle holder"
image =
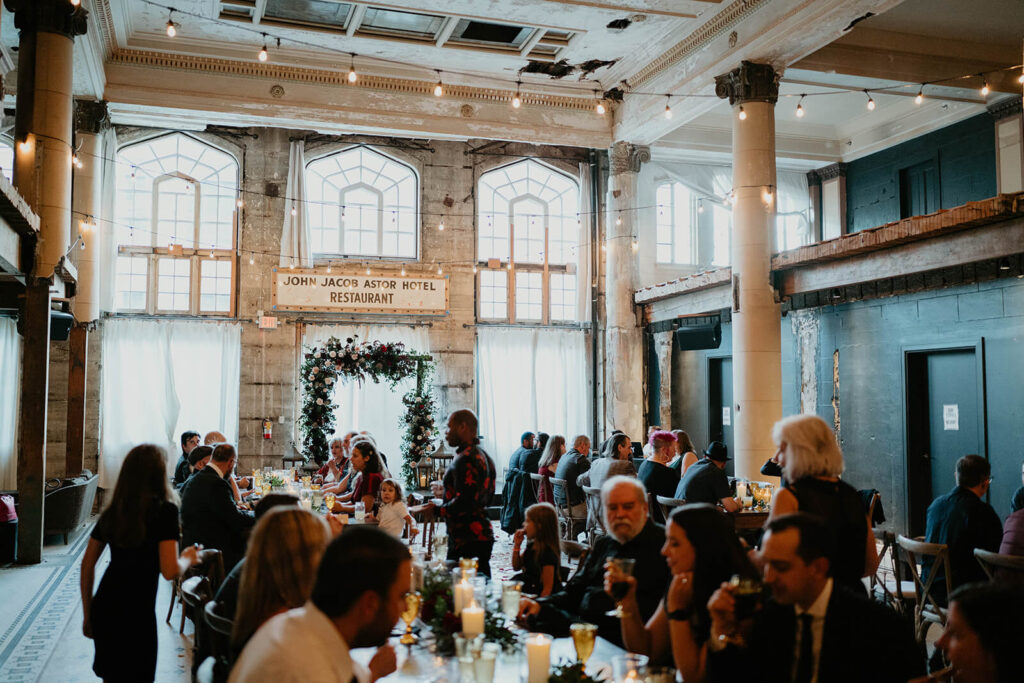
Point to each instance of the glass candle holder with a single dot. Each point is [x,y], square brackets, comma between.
[462,591]
[511,593]
[627,668]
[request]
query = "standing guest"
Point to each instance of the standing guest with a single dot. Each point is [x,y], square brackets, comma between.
[208,512]
[366,463]
[812,628]
[548,466]
[812,462]
[654,472]
[570,467]
[141,527]
[357,598]
[618,461]
[468,485]
[1017,502]
[393,514]
[964,521]
[982,639]
[518,458]
[702,551]
[705,481]
[197,460]
[279,568]
[540,565]
[189,440]
[631,534]
[686,454]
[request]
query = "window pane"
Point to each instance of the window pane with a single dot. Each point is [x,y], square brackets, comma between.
[494,294]
[132,278]
[173,284]
[674,225]
[176,212]
[529,296]
[215,286]
[528,222]
[563,296]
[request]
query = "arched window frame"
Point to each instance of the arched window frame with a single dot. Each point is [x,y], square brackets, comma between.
[177,274]
[508,282]
[396,212]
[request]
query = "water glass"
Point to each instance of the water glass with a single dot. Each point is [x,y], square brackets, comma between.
[360,511]
[626,668]
[317,496]
[511,592]
[306,499]
[484,663]
[658,674]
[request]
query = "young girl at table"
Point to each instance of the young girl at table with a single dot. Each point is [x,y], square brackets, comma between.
[393,514]
[540,564]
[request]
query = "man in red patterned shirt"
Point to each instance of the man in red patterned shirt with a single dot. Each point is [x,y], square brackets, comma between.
[466,490]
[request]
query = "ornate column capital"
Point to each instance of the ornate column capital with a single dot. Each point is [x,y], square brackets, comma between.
[91,117]
[49,16]
[626,158]
[1002,109]
[751,82]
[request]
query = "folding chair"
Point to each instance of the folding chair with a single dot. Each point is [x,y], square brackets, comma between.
[927,611]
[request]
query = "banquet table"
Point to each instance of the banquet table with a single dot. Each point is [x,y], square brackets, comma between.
[750,519]
[418,665]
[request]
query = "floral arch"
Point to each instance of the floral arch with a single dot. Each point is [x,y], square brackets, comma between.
[324,365]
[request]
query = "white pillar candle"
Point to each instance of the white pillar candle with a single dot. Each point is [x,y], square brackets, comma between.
[472,619]
[538,657]
[741,490]
[463,595]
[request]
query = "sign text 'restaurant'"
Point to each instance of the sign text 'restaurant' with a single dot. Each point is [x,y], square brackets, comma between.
[308,290]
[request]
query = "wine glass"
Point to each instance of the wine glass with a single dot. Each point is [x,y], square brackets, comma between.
[409,614]
[329,501]
[620,567]
[583,637]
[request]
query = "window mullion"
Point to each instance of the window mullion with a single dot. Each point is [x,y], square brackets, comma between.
[545,280]
[151,280]
[511,270]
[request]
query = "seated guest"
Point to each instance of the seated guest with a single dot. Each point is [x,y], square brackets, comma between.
[570,467]
[197,460]
[540,565]
[532,459]
[336,468]
[392,514]
[686,454]
[1017,502]
[237,483]
[214,438]
[517,460]
[548,466]
[357,598]
[631,535]
[617,461]
[366,463]
[654,472]
[705,481]
[517,493]
[648,447]
[982,639]
[812,628]
[603,450]
[964,521]
[811,461]
[702,551]
[208,512]
[1013,534]
[189,440]
[279,569]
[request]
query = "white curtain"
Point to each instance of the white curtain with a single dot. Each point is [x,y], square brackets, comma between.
[373,407]
[10,381]
[161,378]
[583,250]
[296,240]
[530,379]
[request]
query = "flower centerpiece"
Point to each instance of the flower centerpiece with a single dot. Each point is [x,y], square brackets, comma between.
[437,613]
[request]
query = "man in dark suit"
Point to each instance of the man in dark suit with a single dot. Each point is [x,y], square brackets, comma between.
[811,630]
[189,440]
[208,512]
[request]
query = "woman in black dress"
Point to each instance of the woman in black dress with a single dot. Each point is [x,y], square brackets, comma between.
[654,472]
[141,527]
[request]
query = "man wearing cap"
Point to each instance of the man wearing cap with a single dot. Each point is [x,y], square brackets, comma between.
[705,480]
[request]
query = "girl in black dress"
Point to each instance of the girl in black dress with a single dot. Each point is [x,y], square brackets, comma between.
[141,527]
[540,564]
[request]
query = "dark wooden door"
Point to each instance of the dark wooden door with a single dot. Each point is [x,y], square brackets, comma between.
[720,408]
[919,189]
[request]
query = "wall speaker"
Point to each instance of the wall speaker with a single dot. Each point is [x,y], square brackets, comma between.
[60,325]
[696,337]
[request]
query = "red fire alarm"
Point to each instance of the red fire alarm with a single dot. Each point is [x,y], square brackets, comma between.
[267,428]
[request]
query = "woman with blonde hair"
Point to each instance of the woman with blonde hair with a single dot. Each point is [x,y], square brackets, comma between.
[811,463]
[547,467]
[280,568]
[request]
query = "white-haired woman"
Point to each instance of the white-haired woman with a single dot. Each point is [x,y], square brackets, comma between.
[811,463]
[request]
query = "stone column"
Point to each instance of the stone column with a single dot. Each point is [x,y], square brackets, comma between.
[664,344]
[91,119]
[42,123]
[623,337]
[752,90]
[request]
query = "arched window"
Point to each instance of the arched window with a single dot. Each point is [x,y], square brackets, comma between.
[362,203]
[528,228]
[175,227]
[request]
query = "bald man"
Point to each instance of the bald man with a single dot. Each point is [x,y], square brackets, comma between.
[466,490]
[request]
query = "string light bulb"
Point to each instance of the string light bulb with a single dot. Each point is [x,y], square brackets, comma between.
[403,271]
[440,226]
[767,195]
[81,243]
[212,253]
[474,269]
[599,108]
[291,265]
[439,88]
[800,107]
[700,206]
[440,271]
[871,101]
[252,261]
[618,219]
[172,30]
[76,3]
[328,266]
[352,77]
[239,203]
[1020,79]
[984,89]
[263,52]
[919,98]
[295,212]
[636,244]
[517,101]
[668,106]
[743,114]
[509,266]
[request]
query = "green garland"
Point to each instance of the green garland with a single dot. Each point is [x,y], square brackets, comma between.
[324,365]
[420,430]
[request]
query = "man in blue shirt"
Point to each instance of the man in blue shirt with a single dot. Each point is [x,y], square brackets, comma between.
[705,480]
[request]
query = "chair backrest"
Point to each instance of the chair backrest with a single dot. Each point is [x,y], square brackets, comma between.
[668,504]
[877,579]
[557,484]
[875,499]
[927,608]
[576,551]
[1001,568]
[219,636]
[535,481]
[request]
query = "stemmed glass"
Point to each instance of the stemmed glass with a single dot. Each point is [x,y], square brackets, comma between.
[409,614]
[583,637]
[620,567]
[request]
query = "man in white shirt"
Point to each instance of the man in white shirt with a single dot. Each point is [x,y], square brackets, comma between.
[357,599]
[811,630]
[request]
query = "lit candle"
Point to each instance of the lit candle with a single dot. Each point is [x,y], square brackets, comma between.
[463,595]
[538,657]
[423,481]
[472,619]
[741,490]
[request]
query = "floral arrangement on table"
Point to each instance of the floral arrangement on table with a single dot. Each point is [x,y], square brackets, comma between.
[572,672]
[324,365]
[420,430]
[436,613]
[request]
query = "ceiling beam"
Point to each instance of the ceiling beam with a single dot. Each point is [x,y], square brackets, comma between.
[532,41]
[445,32]
[358,12]
[258,11]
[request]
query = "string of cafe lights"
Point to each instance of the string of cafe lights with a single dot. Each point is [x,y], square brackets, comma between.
[601,99]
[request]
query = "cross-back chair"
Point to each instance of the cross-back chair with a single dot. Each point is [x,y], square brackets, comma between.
[928,610]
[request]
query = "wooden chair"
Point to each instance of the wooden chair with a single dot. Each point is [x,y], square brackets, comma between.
[927,611]
[596,507]
[1001,568]
[535,481]
[210,565]
[219,638]
[576,551]
[667,505]
[887,584]
[570,525]
[196,592]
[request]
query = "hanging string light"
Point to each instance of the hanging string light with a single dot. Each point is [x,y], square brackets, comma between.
[517,100]
[668,106]
[439,88]
[636,244]
[439,270]
[700,205]
[263,52]
[252,261]
[984,88]
[239,203]
[600,103]
[328,267]
[291,264]
[440,226]
[618,218]
[919,98]
[403,271]
[352,77]
[767,195]
[172,29]
[800,107]
[295,211]
[871,101]
[743,114]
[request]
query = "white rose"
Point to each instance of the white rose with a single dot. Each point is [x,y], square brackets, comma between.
[332,354]
[316,355]
[329,380]
[319,401]
[315,369]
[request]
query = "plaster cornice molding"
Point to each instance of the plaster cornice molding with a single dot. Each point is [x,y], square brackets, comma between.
[1011,106]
